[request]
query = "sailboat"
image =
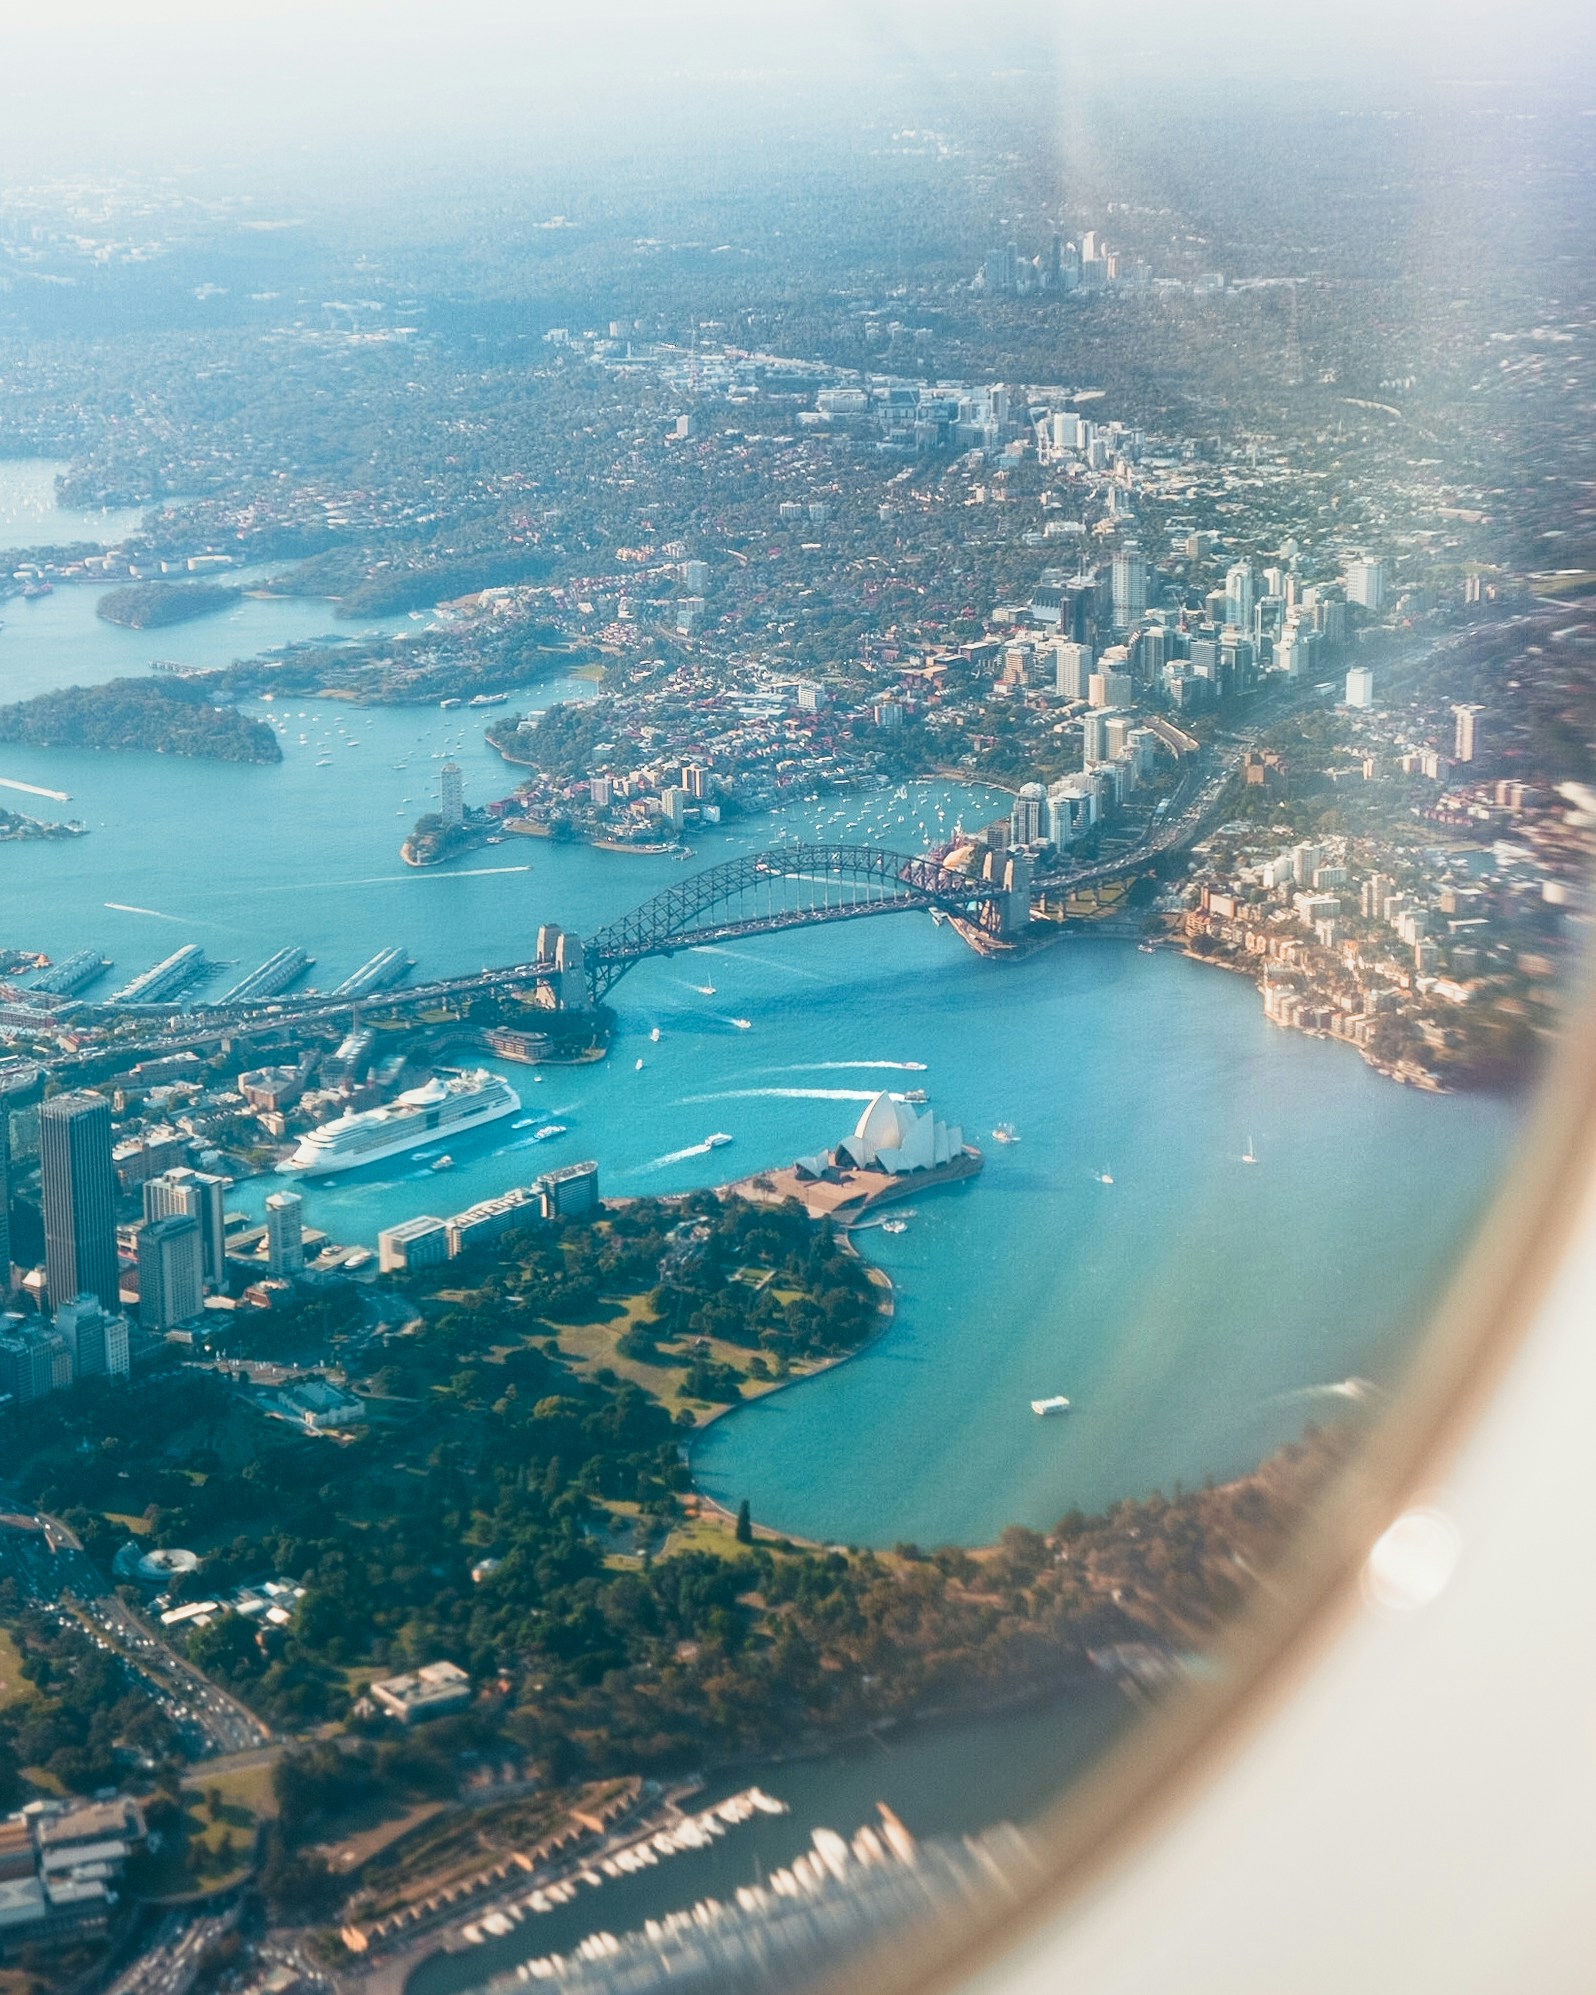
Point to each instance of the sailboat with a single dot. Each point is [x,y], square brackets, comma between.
[1249,1155]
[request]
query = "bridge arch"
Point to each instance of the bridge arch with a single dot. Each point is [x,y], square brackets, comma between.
[791,886]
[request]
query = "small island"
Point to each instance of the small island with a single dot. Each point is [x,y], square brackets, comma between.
[16,826]
[168,717]
[153,605]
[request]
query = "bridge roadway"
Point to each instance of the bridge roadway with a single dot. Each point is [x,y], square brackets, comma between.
[1191,805]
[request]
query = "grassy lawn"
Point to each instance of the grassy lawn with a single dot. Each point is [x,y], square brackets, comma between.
[12,1685]
[708,1532]
[221,1813]
[135,1527]
[586,1346]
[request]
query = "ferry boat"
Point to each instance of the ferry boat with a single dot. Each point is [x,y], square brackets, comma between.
[916,1095]
[718,1141]
[438,1108]
[1057,1404]
[549,1129]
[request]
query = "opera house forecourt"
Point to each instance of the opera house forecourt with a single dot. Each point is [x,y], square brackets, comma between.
[895,1151]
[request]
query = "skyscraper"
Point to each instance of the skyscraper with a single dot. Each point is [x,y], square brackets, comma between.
[1240,595]
[78,1189]
[1129,583]
[171,1259]
[201,1195]
[1468,741]
[1367,583]
[451,795]
[96,1339]
[285,1242]
[1094,738]
[1072,669]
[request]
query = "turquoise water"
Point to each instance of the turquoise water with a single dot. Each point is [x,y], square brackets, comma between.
[30,517]
[1195,1310]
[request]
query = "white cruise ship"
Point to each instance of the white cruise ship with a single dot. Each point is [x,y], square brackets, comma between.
[438,1108]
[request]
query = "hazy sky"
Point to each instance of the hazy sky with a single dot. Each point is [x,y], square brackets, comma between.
[149,80]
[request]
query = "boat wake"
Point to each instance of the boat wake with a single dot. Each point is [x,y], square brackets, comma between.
[861,1066]
[671,1157]
[780,1094]
[154,913]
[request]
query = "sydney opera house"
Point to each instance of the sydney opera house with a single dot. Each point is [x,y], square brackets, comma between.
[892,1137]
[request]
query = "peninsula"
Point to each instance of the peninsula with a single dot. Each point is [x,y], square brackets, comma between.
[167,717]
[16,827]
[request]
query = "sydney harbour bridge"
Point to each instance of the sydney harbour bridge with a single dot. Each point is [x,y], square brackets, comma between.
[792,886]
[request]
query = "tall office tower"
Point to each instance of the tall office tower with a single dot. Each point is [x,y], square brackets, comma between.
[285,1233]
[1072,669]
[1094,739]
[1367,581]
[1360,687]
[1240,595]
[1468,742]
[201,1195]
[451,796]
[1003,268]
[95,1339]
[25,1363]
[1129,583]
[171,1260]
[78,1189]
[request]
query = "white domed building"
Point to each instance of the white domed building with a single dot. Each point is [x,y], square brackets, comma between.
[892,1137]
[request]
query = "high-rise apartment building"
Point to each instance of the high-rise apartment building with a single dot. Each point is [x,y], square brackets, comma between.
[451,795]
[1072,668]
[78,1190]
[171,1263]
[285,1232]
[1468,741]
[1360,687]
[1128,580]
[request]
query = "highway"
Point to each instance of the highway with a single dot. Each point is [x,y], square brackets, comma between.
[52,1571]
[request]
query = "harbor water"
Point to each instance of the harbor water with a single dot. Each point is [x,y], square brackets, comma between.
[1196,1310]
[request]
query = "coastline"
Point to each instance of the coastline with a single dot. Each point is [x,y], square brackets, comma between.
[1418,1078]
